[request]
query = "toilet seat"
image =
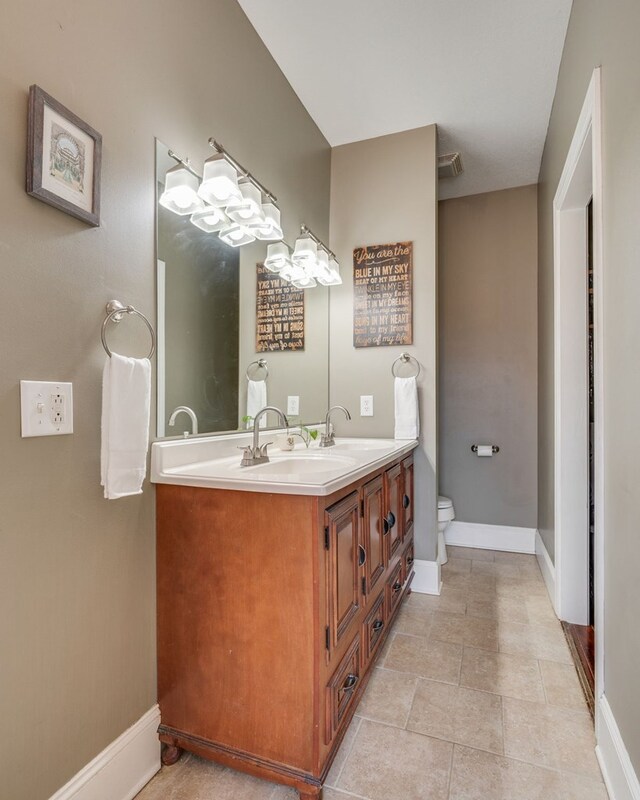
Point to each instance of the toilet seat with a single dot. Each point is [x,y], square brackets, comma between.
[446,512]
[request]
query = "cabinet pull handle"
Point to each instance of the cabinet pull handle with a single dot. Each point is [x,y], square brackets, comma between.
[362,556]
[385,525]
[378,625]
[409,561]
[350,683]
[406,501]
[396,587]
[392,519]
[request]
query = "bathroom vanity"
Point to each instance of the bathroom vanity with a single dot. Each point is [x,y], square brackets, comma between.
[277,586]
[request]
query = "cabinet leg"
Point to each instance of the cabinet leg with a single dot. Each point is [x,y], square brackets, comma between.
[311,793]
[170,754]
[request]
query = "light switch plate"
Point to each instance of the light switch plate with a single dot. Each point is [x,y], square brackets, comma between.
[46,408]
[293,405]
[366,405]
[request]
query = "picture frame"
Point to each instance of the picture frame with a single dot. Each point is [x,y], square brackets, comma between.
[64,158]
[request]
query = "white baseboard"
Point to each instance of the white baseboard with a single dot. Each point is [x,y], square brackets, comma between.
[491,537]
[619,776]
[121,770]
[427,577]
[547,568]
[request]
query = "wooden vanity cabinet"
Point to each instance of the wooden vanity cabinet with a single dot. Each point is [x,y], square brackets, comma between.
[271,611]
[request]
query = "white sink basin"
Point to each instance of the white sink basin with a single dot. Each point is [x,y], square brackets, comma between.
[214,462]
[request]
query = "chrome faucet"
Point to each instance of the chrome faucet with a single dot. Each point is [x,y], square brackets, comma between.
[327,438]
[191,413]
[254,454]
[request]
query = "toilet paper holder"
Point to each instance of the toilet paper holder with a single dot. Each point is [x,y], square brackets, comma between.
[494,448]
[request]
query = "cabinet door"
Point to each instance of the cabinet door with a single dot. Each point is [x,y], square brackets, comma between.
[342,567]
[407,493]
[392,523]
[373,539]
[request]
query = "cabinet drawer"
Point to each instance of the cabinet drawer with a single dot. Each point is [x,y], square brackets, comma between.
[394,589]
[341,689]
[407,562]
[372,629]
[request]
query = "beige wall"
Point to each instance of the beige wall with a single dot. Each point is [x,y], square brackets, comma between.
[385,190]
[604,34]
[487,312]
[77,622]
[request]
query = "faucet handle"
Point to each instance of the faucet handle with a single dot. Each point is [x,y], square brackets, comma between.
[263,449]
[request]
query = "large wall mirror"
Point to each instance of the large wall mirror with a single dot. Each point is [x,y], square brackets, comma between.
[210,342]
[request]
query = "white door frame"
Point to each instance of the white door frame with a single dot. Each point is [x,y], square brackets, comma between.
[580,181]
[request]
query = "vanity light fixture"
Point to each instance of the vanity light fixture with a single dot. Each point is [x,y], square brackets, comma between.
[219,182]
[333,274]
[248,209]
[180,193]
[210,219]
[278,257]
[236,235]
[270,230]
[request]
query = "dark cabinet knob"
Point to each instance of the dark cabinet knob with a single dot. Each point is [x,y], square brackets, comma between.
[406,501]
[378,625]
[396,587]
[350,683]
[362,556]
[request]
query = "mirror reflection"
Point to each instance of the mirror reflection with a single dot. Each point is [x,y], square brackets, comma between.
[232,336]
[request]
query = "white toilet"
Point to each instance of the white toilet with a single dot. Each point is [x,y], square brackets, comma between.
[445,514]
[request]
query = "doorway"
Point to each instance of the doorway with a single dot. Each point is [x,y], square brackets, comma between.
[578,381]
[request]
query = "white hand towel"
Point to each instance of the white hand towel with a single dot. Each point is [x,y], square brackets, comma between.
[126,398]
[406,404]
[256,399]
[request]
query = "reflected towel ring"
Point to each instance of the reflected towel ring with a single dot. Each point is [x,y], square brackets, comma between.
[405,358]
[115,312]
[260,364]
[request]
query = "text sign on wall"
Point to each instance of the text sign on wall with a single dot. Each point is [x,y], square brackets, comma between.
[279,313]
[382,295]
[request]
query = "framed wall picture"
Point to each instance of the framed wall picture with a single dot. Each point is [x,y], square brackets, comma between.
[64,157]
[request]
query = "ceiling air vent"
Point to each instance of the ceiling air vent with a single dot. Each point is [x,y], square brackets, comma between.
[449,165]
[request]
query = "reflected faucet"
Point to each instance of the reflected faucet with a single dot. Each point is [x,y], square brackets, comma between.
[254,454]
[327,439]
[192,415]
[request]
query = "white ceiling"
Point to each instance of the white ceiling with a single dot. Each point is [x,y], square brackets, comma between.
[484,70]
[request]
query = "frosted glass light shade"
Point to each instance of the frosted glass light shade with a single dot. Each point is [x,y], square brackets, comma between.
[210,219]
[270,230]
[305,251]
[278,257]
[321,265]
[333,277]
[248,209]
[305,283]
[236,235]
[219,185]
[180,191]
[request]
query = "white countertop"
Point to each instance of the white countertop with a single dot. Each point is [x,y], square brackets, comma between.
[213,462]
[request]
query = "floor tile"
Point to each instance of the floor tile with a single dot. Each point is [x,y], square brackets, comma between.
[579,787]
[439,661]
[457,715]
[387,763]
[476,775]
[451,600]
[343,752]
[511,609]
[502,673]
[496,568]
[540,610]
[474,553]
[537,641]
[388,697]
[523,559]
[413,620]
[550,736]
[456,565]
[472,631]
[562,685]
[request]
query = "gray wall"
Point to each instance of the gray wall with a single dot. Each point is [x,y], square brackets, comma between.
[487,312]
[385,190]
[77,618]
[604,34]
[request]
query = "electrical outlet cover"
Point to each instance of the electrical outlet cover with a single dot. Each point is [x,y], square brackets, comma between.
[366,405]
[46,408]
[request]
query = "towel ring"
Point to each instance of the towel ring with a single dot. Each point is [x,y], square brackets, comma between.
[260,364]
[405,358]
[115,312]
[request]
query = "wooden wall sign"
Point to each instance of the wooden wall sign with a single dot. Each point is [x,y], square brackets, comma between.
[279,313]
[383,295]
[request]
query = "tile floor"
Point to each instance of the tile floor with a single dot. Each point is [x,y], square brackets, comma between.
[474,697]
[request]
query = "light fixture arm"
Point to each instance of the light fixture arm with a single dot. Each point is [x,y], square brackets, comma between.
[185,163]
[305,231]
[242,170]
